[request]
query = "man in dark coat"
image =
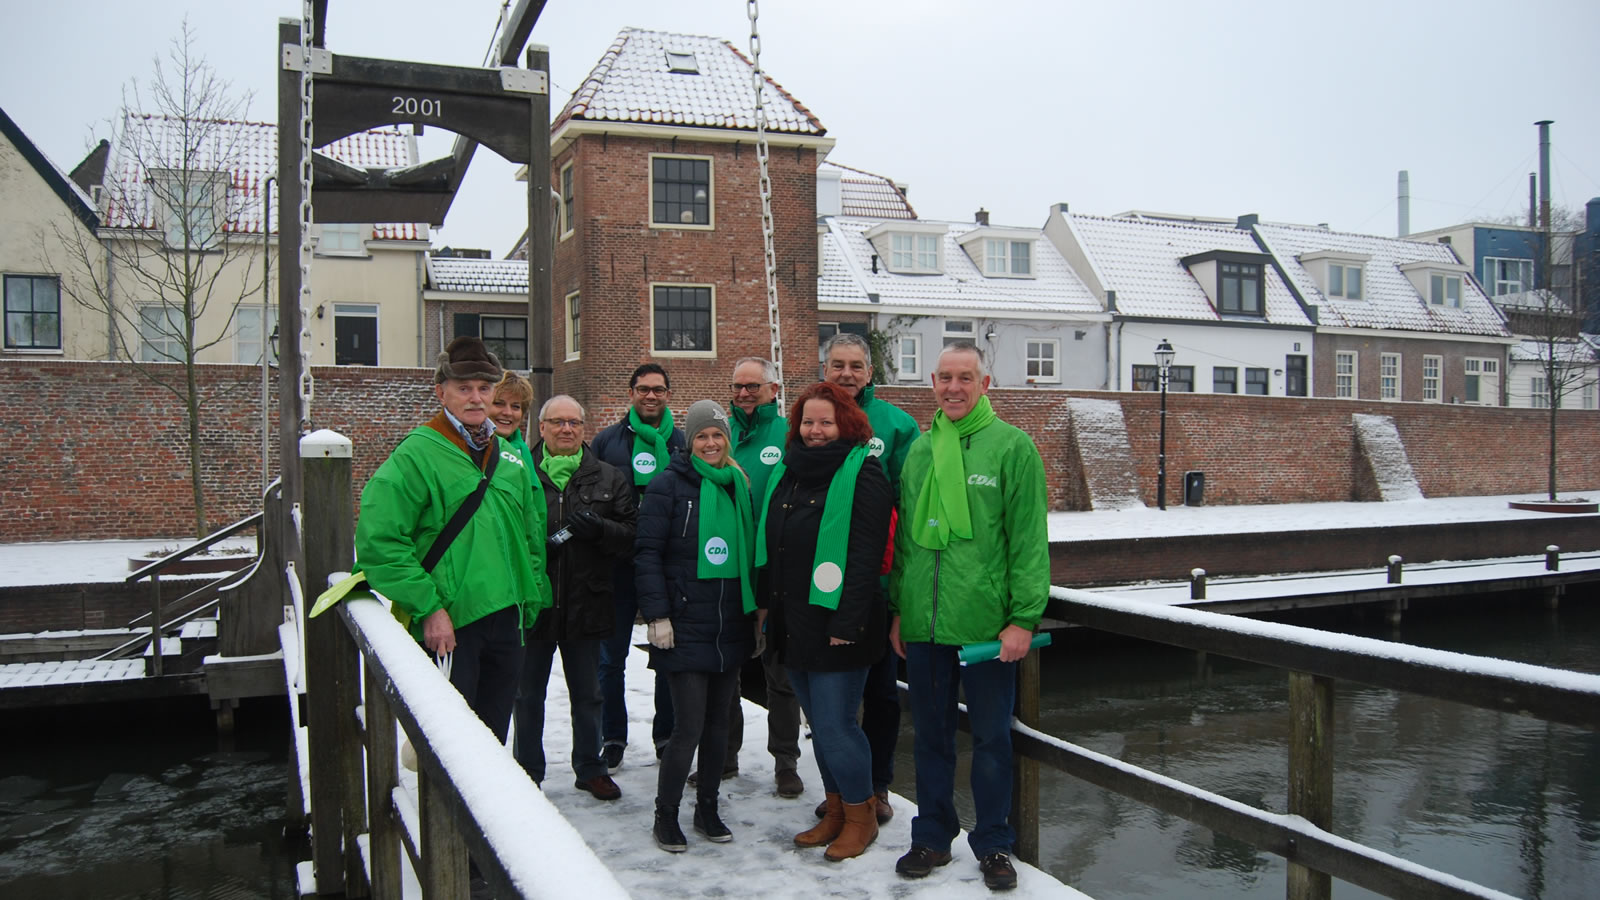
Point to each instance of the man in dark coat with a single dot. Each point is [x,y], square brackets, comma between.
[639,446]
[592,512]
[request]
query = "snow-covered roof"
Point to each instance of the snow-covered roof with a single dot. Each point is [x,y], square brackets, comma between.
[1389,300]
[847,277]
[478,276]
[866,194]
[1142,260]
[1536,300]
[1580,352]
[249,152]
[656,77]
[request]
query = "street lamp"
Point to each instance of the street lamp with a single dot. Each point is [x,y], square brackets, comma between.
[1164,354]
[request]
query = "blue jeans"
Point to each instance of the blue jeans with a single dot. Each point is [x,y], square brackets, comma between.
[934,674]
[580,662]
[613,660]
[844,758]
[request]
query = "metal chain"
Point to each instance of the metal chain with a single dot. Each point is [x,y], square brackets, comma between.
[758,81]
[307,386]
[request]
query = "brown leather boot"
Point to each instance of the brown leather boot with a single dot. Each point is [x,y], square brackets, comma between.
[828,829]
[860,830]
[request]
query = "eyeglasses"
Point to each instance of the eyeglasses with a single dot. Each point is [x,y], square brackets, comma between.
[564,423]
[658,390]
[752,388]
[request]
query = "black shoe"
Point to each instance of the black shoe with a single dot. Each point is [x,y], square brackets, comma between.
[789,784]
[612,755]
[668,835]
[920,860]
[998,873]
[707,823]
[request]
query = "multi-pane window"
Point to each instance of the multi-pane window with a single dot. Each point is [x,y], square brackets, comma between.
[1256,382]
[574,326]
[1482,381]
[680,190]
[914,252]
[682,318]
[1540,390]
[908,357]
[341,238]
[1507,276]
[567,212]
[1344,281]
[1344,374]
[1294,376]
[1146,378]
[1444,290]
[1180,379]
[160,334]
[33,312]
[1001,257]
[1432,367]
[191,203]
[1224,380]
[1240,288]
[1042,360]
[958,330]
[1389,376]
[255,328]
[1591,394]
[507,338]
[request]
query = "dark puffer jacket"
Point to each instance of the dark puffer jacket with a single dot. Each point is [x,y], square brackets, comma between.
[711,632]
[796,629]
[580,569]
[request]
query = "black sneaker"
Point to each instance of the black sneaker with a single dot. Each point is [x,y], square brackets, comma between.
[612,755]
[920,860]
[668,835]
[998,873]
[707,823]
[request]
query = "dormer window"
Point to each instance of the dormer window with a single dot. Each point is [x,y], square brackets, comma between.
[1341,275]
[1232,280]
[1444,290]
[909,247]
[1344,281]
[192,205]
[1438,283]
[914,252]
[681,63]
[1240,289]
[1000,252]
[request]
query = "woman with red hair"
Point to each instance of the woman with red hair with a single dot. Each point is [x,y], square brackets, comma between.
[825,521]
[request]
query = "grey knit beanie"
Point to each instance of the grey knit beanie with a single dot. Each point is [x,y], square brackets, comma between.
[703,414]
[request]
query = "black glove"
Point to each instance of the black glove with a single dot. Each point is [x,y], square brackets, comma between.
[586,525]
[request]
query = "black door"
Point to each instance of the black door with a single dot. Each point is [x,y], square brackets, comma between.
[355,340]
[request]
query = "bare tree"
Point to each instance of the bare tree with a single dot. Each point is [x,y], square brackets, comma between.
[171,265]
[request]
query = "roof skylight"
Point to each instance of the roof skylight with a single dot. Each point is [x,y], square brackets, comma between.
[680,63]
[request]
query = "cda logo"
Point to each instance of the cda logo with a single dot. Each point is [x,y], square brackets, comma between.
[716,551]
[982,480]
[644,463]
[770,456]
[875,447]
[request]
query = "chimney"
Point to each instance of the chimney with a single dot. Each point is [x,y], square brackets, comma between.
[1544,172]
[1533,199]
[1405,203]
[1247,221]
[981,216]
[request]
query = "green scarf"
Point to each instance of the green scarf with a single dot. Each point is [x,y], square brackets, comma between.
[941,512]
[560,468]
[833,535]
[727,527]
[651,439]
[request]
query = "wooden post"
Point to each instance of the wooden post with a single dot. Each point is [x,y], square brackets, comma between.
[248,621]
[1310,773]
[155,624]
[1197,584]
[1552,558]
[333,668]
[1024,771]
[382,777]
[541,240]
[1395,569]
[443,851]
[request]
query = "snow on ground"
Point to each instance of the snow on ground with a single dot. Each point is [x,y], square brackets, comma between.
[86,562]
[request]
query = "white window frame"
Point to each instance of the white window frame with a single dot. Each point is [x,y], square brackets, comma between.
[1432,379]
[1389,376]
[1484,369]
[180,209]
[1497,286]
[688,354]
[358,311]
[1340,279]
[574,323]
[342,239]
[954,332]
[155,344]
[910,251]
[1346,384]
[1590,394]
[566,188]
[904,372]
[1000,258]
[711,194]
[1054,359]
[1539,392]
[250,337]
[1439,285]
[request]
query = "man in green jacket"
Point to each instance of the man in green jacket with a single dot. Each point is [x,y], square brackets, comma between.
[490,583]
[971,564]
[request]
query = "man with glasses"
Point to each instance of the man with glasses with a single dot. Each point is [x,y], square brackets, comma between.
[759,432]
[640,445]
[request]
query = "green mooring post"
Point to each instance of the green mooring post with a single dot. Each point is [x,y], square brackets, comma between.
[333,669]
[1310,773]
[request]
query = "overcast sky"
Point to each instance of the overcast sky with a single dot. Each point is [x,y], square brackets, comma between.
[1301,113]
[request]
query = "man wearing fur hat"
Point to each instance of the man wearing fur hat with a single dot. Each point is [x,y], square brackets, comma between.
[468,597]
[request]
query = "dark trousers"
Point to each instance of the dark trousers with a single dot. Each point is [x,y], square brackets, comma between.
[487,664]
[880,717]
[783,719]
[580,662]
[935,675]
[613,661]
[700,716]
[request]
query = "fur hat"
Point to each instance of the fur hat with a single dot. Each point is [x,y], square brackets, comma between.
[467,359]
[704,414]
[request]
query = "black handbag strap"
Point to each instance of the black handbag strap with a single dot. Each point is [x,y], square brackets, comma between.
[458,520]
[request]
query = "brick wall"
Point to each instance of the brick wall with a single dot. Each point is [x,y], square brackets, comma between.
[96,451]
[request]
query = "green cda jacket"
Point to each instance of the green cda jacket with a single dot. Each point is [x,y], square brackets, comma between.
[496,561]
[893,433]
[971,590]
[758,442]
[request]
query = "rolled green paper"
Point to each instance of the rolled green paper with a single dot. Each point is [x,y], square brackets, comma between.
[983,651]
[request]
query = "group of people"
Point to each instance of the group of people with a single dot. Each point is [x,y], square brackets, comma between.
[833,540]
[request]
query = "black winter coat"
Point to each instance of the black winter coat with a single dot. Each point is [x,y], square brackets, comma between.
[797,630]
[711,632]
[614,446]
[580,569]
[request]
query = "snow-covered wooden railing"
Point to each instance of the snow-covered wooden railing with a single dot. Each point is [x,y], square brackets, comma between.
[1313,660]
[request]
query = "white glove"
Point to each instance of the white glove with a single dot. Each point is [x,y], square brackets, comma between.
[660,632]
